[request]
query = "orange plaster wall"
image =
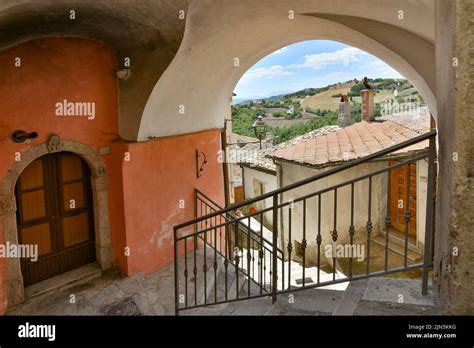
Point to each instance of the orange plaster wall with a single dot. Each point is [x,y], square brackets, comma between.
[159,174]
[144,193]
[53,69]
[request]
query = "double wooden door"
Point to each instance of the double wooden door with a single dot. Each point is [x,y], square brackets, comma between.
[54,212]
[398,192]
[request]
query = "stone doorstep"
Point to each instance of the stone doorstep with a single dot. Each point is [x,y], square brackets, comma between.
[412,255]
[399,239]
[63,281]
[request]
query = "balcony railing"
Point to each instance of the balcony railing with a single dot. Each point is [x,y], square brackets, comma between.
[234,256]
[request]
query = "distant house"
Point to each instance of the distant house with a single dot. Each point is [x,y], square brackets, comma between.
[259,172]
[316,154]
[239,147]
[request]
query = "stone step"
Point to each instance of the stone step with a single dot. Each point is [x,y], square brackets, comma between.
[63,281]
[414,256]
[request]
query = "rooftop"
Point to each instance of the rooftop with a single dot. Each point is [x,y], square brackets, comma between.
[358,140]
[262,160]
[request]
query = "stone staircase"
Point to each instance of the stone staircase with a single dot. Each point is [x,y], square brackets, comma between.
[154,295]
[376,296]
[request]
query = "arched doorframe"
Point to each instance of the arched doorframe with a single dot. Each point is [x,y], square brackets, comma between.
[99,184]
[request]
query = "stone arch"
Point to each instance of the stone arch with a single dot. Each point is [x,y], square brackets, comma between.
[208,98]
[99,184]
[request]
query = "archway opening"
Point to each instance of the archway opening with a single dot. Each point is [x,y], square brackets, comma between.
[315,105]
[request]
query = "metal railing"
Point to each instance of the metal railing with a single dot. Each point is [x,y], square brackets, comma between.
[313,220]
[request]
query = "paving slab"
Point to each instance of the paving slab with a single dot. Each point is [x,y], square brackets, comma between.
[404,291]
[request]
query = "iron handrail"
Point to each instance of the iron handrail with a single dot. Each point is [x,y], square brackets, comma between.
[428,135]
[236,219]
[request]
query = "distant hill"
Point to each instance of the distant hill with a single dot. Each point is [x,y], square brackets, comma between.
[327,98]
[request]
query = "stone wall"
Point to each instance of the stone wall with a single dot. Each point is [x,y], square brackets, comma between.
[454,240]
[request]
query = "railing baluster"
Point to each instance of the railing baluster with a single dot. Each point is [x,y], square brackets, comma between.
[318,238]
[264,268]
[215,264]
[282,271]
[290,246]
[260,256]
[274,251]
[388,218]
[226,258]
[195,269]
[303,242]
[236,259]
[351,231]
[407,214]
[204,266]
[176,270]
[429,215]
[248,257]
[186,272]
[369,226]
[334,237]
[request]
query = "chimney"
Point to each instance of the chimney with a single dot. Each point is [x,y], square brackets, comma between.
[367,106]
[344,118]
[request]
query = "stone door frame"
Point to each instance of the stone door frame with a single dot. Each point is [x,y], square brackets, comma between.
[99,185]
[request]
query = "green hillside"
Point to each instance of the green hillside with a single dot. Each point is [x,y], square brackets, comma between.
[297,113]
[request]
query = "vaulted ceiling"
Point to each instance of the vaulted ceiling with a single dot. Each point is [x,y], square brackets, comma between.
[189,61]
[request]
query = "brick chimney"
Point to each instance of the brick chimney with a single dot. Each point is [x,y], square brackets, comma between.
[367,104]
[344,118]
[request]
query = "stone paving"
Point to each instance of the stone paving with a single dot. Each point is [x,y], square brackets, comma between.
[112,294]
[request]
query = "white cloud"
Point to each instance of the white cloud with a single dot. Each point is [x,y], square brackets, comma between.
[345,56]
[281,50]
[267,73]
[379,68]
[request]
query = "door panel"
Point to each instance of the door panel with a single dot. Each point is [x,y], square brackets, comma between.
[38,234]
[33,205]
[64,234]
[398,192]
[75,192]
[75,229]
[32,176]
[71,168]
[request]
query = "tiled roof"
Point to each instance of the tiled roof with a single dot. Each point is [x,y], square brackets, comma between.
[262,159]
[359,140]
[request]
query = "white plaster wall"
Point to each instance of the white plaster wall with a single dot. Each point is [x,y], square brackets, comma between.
[292,173]
[270,184]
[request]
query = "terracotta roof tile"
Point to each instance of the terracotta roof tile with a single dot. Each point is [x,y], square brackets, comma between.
[358,140]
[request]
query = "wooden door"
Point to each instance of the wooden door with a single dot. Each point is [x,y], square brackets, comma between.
[238,194]
[398,189]
[54,211]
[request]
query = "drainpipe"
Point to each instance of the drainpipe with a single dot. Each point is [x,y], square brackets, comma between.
[225,168]
[243,181]
[279,174]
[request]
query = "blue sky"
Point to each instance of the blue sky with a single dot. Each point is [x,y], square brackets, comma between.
[316,63]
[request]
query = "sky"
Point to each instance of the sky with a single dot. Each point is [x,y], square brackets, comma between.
[306,64]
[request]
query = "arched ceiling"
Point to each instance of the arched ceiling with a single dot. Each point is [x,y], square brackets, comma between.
[149,32]
[202,76]
[190,62]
